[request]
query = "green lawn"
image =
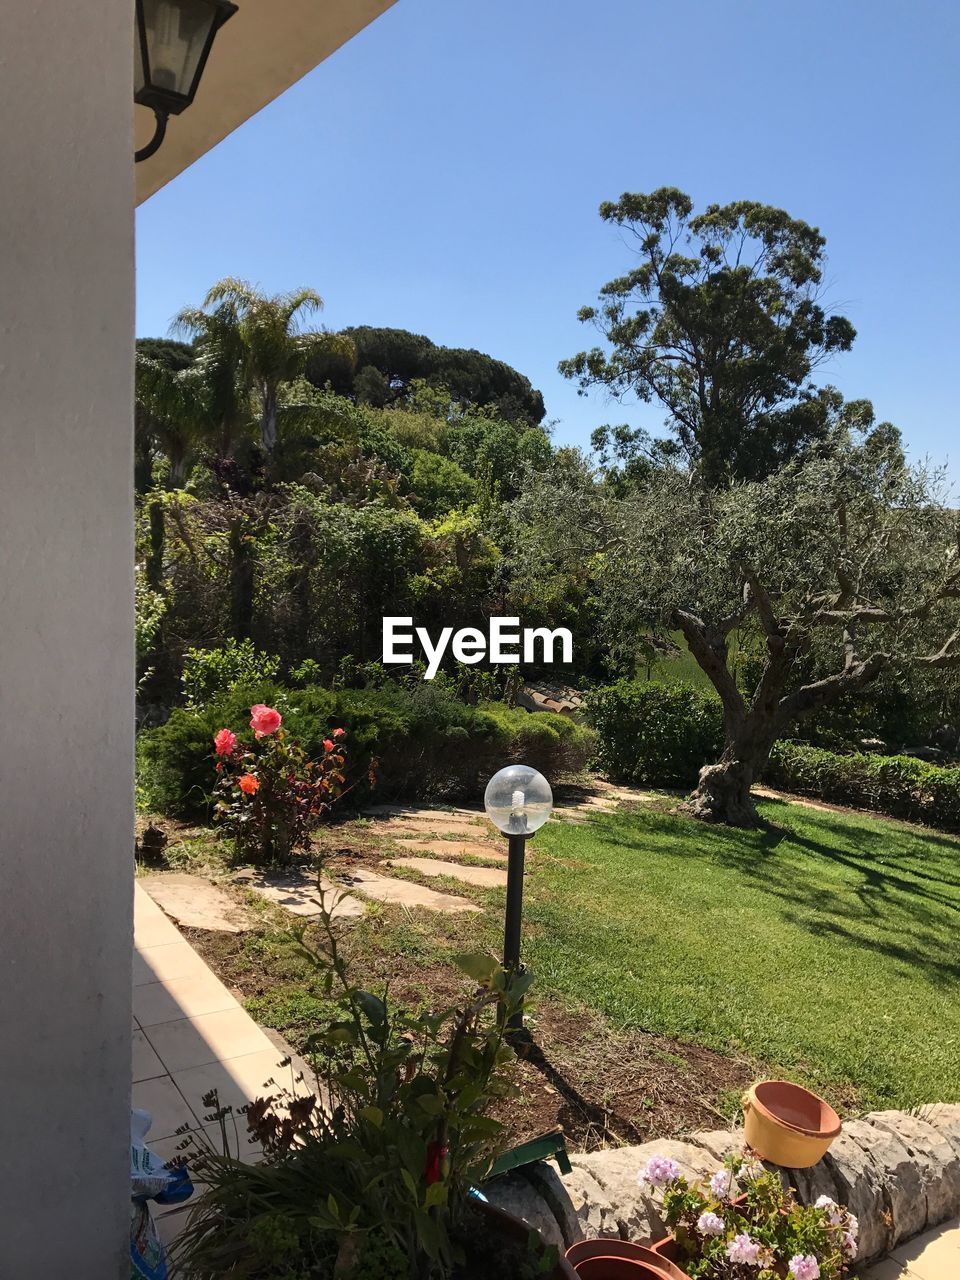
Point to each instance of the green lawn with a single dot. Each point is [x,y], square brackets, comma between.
[827,947]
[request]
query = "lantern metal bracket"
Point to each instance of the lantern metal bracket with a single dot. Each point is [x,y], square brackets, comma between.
[156,141]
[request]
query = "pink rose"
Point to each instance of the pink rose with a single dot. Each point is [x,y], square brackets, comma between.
[327,744]
[225,743]
[264,720]
[338,733]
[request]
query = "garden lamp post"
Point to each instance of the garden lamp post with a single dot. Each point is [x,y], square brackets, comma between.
[519,801]
[173,40]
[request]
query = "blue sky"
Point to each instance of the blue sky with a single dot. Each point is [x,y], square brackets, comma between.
[442,173]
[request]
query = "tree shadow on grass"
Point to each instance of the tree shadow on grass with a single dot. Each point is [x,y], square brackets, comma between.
[890,904]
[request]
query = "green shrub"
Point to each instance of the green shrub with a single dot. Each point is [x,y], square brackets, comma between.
[655,733]
[897,785]
[209,674]
[427,745]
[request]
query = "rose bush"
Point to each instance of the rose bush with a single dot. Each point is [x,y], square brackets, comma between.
[270,798]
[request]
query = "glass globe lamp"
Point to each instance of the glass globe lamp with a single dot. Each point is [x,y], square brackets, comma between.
[518,800]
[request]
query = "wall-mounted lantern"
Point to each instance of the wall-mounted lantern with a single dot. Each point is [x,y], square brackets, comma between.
[173,40]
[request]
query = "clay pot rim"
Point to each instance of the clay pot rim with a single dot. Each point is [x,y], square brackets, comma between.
[643,1269]
[755,1101]
[624,1249]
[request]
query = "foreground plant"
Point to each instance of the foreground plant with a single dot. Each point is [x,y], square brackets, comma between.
[371,1176]
[757,1233]
[270,798]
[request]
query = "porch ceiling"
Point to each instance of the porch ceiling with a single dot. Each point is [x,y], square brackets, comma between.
[266,47]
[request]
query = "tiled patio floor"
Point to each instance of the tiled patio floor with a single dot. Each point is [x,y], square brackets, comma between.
[190,1035]
[935,1255]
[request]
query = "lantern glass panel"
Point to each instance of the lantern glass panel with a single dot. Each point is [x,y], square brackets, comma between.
[177,32]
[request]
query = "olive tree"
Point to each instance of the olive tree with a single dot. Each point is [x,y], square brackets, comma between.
[840,565]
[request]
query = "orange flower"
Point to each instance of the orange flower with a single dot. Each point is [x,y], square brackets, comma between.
[327,744]
[249,785]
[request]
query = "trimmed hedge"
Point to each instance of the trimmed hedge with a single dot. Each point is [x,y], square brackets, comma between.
[655,733]
[900,786]
[427,744]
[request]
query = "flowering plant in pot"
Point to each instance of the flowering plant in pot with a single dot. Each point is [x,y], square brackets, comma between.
[758,1233]
[269,797]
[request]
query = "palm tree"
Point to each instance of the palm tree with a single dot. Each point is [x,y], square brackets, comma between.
[172,412]
[255,343]
[221,356]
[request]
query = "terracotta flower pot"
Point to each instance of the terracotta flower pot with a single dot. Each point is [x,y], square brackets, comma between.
[788,1125]
[601,1268]
[586,1250]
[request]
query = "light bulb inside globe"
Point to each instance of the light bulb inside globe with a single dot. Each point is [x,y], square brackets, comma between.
[518,800]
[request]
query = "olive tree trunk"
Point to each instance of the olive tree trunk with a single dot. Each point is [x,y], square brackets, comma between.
[723,791]
[752,727]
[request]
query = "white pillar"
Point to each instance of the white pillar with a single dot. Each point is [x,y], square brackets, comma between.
[66,636]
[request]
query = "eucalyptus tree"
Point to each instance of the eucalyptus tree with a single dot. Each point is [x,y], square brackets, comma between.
[720,319]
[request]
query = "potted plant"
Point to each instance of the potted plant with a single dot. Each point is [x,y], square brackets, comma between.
[374,1176]
[762,1233]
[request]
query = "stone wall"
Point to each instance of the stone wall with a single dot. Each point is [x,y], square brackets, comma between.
[899,1172]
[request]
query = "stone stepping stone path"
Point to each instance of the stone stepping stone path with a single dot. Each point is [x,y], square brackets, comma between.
[485,877]
[433,827]
[436,817]
[297,891]
[195,903]
[370,884]
[435,821]
[454,848]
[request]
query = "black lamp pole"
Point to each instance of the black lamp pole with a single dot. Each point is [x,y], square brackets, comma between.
[511,929]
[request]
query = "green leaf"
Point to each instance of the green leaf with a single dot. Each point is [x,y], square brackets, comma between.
[341,1033]
[409,1182]
[436,1194]
[431,1104]
[479,965]
[373,1115]
[372,1006]
[428,1235]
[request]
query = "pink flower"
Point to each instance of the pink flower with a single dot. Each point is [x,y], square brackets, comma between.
[338,733]
[830,1208]
[264,720]
[327,744]
[225,743]
[849,1244]
[742,1249]
[248,784]
[720,1183]
[660,1170]
[804,1267]
[710,1224]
